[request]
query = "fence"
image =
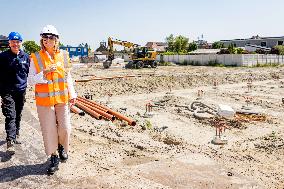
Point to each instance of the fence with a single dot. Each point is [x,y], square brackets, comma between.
[225,59]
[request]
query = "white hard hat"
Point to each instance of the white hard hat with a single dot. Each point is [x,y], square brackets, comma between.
[49,29]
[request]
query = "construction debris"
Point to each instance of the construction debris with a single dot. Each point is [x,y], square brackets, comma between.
[225,111]
[246,118]
[236,122]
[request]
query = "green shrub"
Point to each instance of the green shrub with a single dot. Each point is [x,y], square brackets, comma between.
[148,124]
[267,65]
[280,49]
[240,50]
[168,53]
[165,64]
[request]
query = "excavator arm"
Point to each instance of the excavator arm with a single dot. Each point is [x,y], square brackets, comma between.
[112,42]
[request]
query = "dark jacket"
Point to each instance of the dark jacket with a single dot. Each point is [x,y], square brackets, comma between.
[14,71]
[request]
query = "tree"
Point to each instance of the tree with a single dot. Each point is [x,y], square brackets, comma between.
[218,45]
[180,44]
[177,44]
[231,48]
[61,44]
[224,51]
[240,50]
[30,47]
[170,40]
[192,46]
[279,49]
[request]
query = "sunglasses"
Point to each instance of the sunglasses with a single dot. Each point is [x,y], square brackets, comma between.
[51,37]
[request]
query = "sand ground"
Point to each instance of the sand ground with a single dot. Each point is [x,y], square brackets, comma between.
[169,149]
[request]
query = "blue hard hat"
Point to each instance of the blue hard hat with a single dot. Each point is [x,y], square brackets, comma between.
[15,36]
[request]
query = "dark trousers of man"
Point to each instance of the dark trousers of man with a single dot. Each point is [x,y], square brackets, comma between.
[12,106]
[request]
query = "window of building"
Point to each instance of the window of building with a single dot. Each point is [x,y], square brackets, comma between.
[72,49]
[280,43]
[79,49]
[263,44]
[85,49]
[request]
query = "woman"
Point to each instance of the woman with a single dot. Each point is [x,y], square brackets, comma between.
[54,92]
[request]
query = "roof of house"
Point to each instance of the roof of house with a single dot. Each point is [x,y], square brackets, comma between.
[156,43]
[158,46]
[254,38]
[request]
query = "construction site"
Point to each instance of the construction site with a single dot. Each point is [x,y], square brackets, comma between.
[162,127]
[160,94]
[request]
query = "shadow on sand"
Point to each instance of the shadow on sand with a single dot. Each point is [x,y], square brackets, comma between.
[18,171]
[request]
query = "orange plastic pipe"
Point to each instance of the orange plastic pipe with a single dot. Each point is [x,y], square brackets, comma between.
[93,113]
[83,80]
[104,114]
[118,115]
[77,110]
[86,101]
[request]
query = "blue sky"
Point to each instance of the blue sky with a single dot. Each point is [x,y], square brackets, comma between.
[139,21]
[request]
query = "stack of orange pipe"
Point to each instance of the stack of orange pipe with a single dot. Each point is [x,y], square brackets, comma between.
[97,110]
[88,110]
[103,110]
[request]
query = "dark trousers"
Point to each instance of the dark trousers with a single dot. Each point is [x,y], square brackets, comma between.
[12,107]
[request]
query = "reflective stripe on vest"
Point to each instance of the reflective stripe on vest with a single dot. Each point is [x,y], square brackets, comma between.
[51,94]
[57,80]
[39,61]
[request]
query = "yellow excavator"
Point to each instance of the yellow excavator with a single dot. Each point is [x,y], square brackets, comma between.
[140,56]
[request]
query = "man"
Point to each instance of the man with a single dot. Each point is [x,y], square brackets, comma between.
[14,68]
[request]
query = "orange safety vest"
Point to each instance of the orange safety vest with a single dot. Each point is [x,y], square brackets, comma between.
[55,91]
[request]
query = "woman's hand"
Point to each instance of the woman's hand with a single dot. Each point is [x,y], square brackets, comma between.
[72,101]
[51,68]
